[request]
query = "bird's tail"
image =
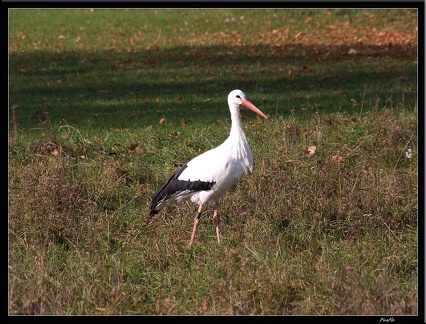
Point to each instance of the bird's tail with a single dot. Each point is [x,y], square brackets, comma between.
[159,196]
[152,211]
[164,192]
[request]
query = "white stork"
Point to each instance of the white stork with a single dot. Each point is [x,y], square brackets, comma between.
[209,175]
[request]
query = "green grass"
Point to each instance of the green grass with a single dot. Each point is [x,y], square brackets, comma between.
[334,233]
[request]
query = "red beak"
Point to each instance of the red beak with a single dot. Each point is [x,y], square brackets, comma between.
[249,105]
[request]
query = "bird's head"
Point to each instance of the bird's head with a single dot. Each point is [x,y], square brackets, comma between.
[237,97]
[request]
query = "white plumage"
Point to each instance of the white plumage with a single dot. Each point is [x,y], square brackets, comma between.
[209,175]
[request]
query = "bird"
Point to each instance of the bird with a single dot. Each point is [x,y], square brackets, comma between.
[209,175]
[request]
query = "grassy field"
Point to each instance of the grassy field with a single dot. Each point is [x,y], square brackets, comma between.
[104,105]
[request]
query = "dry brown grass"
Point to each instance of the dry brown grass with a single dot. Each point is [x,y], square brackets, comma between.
[303,235]
[326,225]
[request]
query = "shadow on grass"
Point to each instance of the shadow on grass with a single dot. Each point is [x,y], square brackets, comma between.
[79,86]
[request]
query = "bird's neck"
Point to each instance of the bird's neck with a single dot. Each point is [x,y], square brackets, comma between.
[237,129]
[238,143]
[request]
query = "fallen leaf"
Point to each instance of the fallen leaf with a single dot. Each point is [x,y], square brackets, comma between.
[352,51]
[310,150]
[204,306]
[306,69]
[290,128]
[132,147]
[337,158]
[162,120]
[409,154]
[403,79]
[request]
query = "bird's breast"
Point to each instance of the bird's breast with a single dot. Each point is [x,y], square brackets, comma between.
[223,166]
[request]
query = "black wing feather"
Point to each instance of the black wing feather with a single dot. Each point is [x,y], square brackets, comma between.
[174,186]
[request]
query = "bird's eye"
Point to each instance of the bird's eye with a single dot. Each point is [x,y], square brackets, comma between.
[238,96]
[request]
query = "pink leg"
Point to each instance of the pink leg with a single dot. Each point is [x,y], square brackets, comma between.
[196,221]
[216,219]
